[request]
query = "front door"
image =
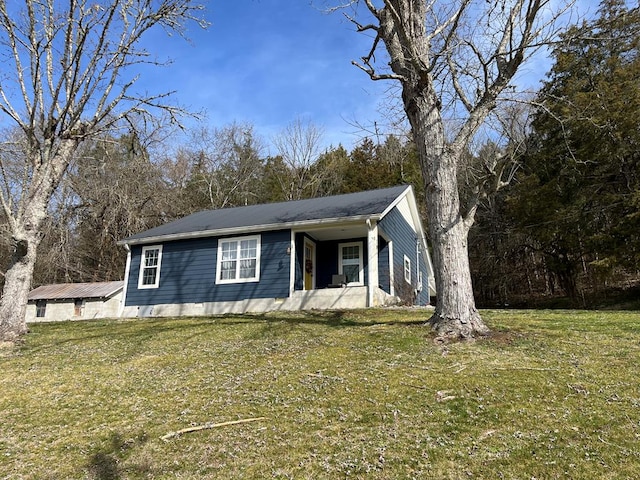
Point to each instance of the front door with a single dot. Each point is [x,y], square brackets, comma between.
[309,264]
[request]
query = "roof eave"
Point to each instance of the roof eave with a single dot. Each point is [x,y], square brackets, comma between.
[324,222]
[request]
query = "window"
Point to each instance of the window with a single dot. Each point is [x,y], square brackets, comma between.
[41,308]
[238,260]
[78,307]
[407,269]
[150,267]
[350,262]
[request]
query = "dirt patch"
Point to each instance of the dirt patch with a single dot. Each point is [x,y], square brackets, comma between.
[501,337]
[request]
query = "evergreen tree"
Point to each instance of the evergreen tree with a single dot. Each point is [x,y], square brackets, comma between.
[577,202]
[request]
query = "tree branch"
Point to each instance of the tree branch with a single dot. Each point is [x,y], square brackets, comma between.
[208,426]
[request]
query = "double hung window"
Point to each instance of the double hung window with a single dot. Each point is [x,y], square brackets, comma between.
[149,276]
[238,260]
[407,269]
[350,262]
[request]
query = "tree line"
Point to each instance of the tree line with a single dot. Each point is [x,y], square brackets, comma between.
[570,221]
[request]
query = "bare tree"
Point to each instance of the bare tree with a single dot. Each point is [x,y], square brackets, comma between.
[226,166]
[454,61]
[68,76]
[299,147]
[118,191]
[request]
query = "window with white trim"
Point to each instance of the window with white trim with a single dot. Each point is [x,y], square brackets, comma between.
[150,261]
[407,269]
[238,260]
[350,262]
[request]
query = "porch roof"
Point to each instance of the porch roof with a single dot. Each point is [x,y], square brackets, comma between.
[324,211]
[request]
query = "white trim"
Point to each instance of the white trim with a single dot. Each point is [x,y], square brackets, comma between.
[360,261]
[298,226]
[373,279]
[125,287]
[236,279]
[397,200]
[292,264]
[417,225]
[306,241]
[392,267]
[143,266]
[405,263]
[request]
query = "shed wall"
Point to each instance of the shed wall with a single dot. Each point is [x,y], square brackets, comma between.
[60,310]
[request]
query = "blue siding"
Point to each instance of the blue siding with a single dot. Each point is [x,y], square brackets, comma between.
[384,277]
[188,273]
[404,243]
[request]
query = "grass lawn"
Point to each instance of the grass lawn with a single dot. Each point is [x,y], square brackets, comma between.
[361,394]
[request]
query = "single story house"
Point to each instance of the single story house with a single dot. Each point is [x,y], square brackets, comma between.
[345,251]
[74,301]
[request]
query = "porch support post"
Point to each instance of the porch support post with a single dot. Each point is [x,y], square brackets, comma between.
[292,264]
[372,260]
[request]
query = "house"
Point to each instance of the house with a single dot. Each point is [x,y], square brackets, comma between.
[74,301]
[345,251]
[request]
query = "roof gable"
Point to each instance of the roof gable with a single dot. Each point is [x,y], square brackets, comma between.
[372,203]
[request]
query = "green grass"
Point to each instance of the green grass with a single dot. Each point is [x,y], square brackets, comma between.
[363,394]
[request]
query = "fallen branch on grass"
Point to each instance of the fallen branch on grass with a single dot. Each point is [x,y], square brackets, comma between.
[208,426]
[527,368]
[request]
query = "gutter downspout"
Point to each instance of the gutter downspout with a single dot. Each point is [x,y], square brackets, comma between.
[418,270]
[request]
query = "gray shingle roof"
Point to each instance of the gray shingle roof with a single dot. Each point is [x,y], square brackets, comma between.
[337,207]
[76,290]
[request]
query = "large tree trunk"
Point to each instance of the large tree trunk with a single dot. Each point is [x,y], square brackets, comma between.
[17,283]
[26,235]
[456,315]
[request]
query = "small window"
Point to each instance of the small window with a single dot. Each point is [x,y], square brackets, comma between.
[407,269]
[78,307]
[41,308]
[238,260]
[351,263]
[150,267]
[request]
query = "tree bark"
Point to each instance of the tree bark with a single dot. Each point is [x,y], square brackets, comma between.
[456,316]
[26,234]
[17,283]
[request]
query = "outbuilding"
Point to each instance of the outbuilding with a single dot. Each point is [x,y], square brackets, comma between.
[74,301]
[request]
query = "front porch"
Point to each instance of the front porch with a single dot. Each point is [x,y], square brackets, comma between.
[341,266]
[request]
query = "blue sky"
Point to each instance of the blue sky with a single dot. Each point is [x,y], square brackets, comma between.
[268,62]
